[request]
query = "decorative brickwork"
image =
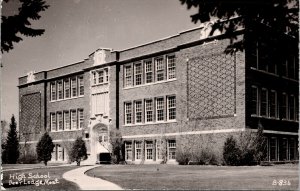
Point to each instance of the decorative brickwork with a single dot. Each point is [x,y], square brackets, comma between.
[211,86]
[30,118]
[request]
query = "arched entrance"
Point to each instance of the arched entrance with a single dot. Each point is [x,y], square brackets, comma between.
[100,147]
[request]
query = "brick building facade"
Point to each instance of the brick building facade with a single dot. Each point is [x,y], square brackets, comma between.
[176,93]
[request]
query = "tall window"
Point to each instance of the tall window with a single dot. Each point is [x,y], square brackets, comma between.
[159,154]
[172,149]
[73,119]
[283,149]
[138,112]
[74,87]
[128,151]
[94,77]
[292,149]
[100,76]
[171,108]
[53,121]
[60,89]
[80,118]
[53,91]
[149,110]
[138,150]
[67,88]
[264,102]
[273,149]
[273,103]
[128,113]
[284,69]
[292,107]
[171,67]
[284,108]
[148,71]
[291,67]
[106,75]
[128,76]
[149,150]
[81,85]
[253,56]
[138,74]
[67,119]
[159,69]
[160,109]
[60,121]
[254,101]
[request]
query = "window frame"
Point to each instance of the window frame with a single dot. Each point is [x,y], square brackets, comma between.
[172,67]
[147,109]
[140,112]
[159,71]
[140,149]
[171,146]
[127,149]
[138,76]
[257,104]
[74,90]
[273,105]
[266,102]
[60,121]
[67,88]
[80,115]
[53,123]
[67,126]
[80,85]
[53,91]
[128,82]
[170,108]
[126,114]
[73,120]
[284,108]
[148,71]
[159,109]
[149,146]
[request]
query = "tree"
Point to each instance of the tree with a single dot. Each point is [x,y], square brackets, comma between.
[231,152]
[281,15]
[44,148]
[10,153]
[13,26]
[116,146]
[78,151]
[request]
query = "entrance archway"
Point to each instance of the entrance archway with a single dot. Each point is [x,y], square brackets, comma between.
[100,147]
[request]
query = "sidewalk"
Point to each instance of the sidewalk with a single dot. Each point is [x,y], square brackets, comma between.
[85,182]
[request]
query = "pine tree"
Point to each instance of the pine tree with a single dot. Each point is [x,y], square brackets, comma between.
[78,151]
[10,152]
[44,148]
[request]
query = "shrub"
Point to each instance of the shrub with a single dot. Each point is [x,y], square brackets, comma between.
[78,151]
[29,158]
[183,157]
[116,146]
[44,148]
[231,152]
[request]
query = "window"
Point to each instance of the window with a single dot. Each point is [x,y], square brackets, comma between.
[138,74]
[172,149]
[60,156]
[60,125]
[284,69]
[253,54]
[138,112]
[264,102]
[81,85]
[106,75]
[53,121]
[67,120]
[128,151]
[128,112]
[128,77]
[67,88]
[159,109]
[273,103]
[60,89]
[159,69]
[292,107]
[172,108]
[284,108]
[94,78]
[254,101]
[149,150]
[283,149]
[292,147]
[100,76]
[73,119]
[74,87]
[263,56]
[100,103]
[171,67]
[148,71]
[297,109]
[138,150]
[80,118]
[53,91]
[149,110]
[273,149]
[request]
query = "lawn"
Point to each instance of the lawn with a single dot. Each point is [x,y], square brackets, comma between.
[177,177]
[54,173]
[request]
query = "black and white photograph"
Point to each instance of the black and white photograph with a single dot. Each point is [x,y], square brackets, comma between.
[149,95]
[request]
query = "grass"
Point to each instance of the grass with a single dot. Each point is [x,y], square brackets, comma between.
[176,177]
[21,166]
[54,172]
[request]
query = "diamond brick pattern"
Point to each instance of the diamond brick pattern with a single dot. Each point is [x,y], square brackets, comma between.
[211,83]
[30,116]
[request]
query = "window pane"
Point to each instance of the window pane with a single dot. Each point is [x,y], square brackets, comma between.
[254,101]
[149,110]
[138,74]
[67,88]
[81,85]
[100,77]
[138,112]
[53,91]
[60,121]
[292,107]
[284,106]
[53,121]
[149,150]
[60,89]
[67,120]
[273,149]
[128,77]
[73,119]
[74,87]
[172,108]
[273,104]
[138,150]
[171,67]
[160,109]
[128,113]
[148,71]
[128,150]
[172,149]
[80,118]
[264,103]
[159,69]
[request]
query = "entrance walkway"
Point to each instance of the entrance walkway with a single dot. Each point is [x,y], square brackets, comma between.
[85,182]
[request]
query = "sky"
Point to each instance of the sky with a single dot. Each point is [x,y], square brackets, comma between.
[76,28]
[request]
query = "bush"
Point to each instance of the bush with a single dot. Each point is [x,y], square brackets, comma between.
[44,148]
[183,157]
[231,152]
[28,159]
[79,151]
